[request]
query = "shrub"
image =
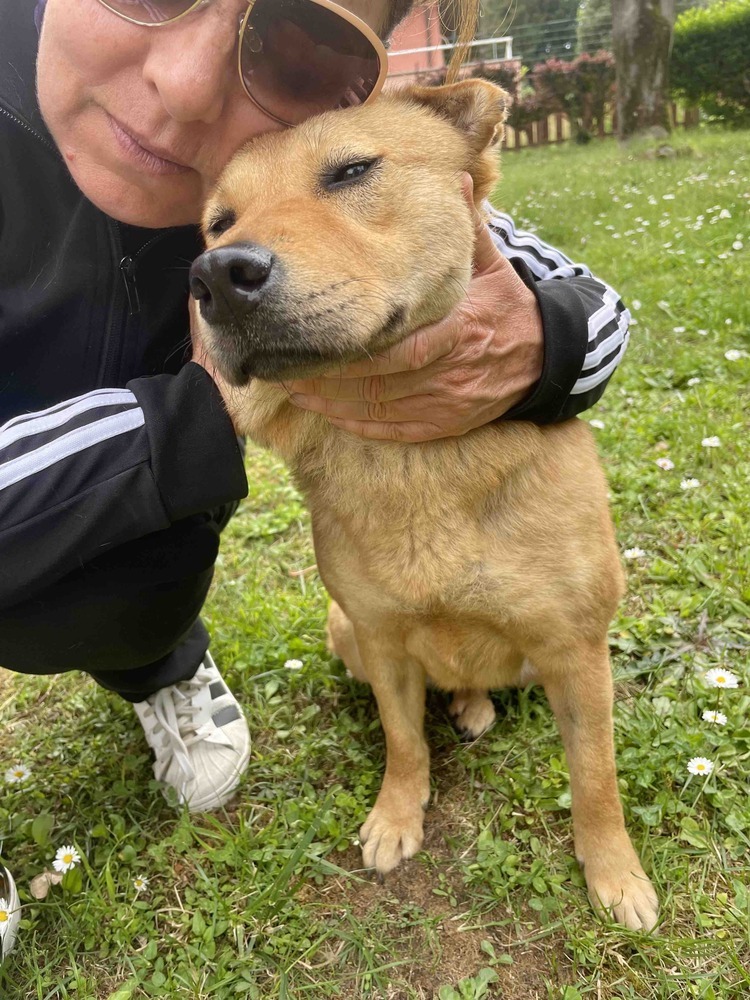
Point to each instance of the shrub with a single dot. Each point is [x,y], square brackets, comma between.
[709,59]
[581,88]
[506,75]
[524,112]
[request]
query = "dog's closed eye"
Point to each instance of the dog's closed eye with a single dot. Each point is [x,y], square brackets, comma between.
[351,172]
[220,221]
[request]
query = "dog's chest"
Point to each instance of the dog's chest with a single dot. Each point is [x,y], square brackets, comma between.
[400,536]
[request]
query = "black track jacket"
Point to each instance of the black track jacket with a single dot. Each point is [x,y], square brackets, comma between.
[107,432]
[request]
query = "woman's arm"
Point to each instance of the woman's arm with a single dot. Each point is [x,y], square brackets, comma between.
[107,467]
[536,338]
[568,294]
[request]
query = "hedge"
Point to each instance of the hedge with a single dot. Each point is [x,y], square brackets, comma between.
[710,64]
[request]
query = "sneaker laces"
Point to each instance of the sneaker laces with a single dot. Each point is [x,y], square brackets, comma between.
[174,718]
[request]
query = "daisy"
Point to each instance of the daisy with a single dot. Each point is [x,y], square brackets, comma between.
[5,911]
[597,424]
[293,664]
[738,245]
[690,484]
[140,883]
[711,442]
[665,463]
[700,765]
[719,678]
[718,717]
[734,355]
[16,774]
[676,329]
[65,859]
[635,553]
[693,381]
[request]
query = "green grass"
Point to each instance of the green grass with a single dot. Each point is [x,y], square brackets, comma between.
[269,899]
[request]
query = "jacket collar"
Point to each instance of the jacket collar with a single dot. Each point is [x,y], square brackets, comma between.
[19,40]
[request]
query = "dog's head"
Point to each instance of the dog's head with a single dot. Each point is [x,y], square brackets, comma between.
[333,241]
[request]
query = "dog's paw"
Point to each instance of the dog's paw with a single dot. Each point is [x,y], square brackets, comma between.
[472,711]
[624,894]
[389,836]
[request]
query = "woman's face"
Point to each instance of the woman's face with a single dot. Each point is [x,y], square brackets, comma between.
[147,117]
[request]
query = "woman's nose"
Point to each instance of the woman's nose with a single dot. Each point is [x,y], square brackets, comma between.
[192,64]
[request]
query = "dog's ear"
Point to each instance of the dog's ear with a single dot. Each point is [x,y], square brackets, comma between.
[477,108]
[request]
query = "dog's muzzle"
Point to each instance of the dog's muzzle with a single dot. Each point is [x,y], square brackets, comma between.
[230,281]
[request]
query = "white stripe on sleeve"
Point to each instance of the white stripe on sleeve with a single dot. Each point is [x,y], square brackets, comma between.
[23,417]
[591,381]
[56,416]
[68,445]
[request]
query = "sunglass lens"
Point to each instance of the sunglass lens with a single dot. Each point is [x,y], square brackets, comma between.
[149,11]
[298,59]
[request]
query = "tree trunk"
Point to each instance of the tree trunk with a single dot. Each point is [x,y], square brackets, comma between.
[642,36]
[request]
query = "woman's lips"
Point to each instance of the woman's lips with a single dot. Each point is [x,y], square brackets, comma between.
[146,158]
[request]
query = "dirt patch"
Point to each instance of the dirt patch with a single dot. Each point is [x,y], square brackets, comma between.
[422,910]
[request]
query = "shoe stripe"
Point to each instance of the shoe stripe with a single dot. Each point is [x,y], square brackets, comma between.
[217,689]
[226,715]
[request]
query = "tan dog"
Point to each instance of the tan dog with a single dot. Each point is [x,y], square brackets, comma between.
[477,562]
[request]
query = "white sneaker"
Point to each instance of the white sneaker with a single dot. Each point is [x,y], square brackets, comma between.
[10,913]
[199,736]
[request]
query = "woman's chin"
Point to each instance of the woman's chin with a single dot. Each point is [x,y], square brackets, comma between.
[150,203]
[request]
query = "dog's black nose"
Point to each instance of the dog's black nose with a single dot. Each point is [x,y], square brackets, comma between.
[228,280]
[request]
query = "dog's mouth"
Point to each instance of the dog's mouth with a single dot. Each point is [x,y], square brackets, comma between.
[275,345]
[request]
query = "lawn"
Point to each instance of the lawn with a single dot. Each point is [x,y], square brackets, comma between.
[269,899]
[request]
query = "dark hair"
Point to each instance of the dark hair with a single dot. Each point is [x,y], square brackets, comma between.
[397,11]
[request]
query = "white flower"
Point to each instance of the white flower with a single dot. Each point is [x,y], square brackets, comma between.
[598,424]
[711,442]
[725,214]
[734,355]
[665,463]
[293,664]
[702,333]
[693,381]
[727,322]
[5,912]
[635,553]
[718,678]
[140,883]
[65,859]
[700,765]
[738,245]
[679,329]
[690,484]
[636,304]
[718,717]
[17,773]
[667,197]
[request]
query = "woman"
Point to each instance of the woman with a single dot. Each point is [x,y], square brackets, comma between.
[118,463]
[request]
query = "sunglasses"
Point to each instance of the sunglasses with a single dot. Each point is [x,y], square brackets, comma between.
[297,58]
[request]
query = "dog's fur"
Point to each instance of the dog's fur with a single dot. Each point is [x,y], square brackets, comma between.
[476,562]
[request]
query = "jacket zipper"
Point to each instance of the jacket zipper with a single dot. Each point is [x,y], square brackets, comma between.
[25,125]
[127,269]
[113,351]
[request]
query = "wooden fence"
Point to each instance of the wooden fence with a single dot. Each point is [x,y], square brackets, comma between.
[556,128]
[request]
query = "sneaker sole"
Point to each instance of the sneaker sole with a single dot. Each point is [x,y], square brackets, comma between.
[219,797]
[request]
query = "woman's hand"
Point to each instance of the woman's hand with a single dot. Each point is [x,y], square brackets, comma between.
[445,379]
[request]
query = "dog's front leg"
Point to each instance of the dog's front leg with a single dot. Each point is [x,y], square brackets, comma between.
[393,830]
[578,684]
